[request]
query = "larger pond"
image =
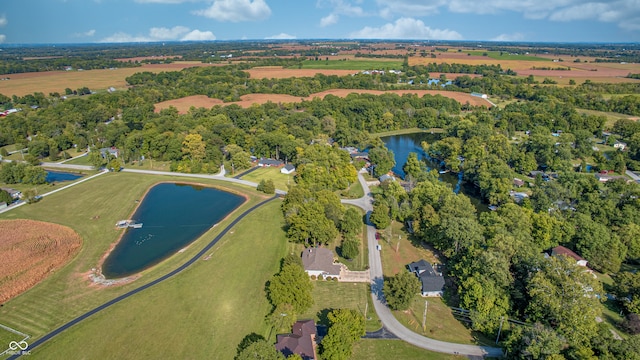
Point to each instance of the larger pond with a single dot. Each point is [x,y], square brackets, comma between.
[172,216]
[58,176]
[402,145]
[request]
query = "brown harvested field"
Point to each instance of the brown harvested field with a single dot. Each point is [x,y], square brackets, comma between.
[141,58]
[96,80]
[32,250]
[184,104]
[277,72]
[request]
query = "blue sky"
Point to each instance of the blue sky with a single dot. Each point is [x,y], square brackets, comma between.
[88,21]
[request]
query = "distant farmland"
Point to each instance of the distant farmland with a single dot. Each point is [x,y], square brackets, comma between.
[96,80]
[184,104]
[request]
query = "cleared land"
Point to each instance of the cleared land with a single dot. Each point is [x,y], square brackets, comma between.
[184,104]
[96,80]
[277,72]
[31,251]
[377,349]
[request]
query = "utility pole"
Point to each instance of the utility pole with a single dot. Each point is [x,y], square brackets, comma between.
[500,329]
[424,316]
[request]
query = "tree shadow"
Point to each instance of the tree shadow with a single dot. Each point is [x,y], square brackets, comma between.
[323,316]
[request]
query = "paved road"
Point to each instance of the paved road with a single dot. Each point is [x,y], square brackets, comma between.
[202,252]
[384,313]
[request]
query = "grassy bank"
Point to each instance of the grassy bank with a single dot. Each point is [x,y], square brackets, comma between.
[374,349]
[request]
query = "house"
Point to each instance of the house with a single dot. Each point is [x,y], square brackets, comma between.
[15,194]
[518,182]
[432,282]
[619,145]
[561,250]
[319,262]
[288,169]
[301,341]
[113,151]
[386,177]
[607,177]
[269,162]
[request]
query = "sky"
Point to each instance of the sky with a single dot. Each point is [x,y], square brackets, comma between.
[96,21]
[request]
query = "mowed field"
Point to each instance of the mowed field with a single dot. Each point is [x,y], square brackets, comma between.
[96,80]
[31,251]
[184,104]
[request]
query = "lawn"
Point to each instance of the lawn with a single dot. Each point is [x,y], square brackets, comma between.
[91,209]
[378,349]
[612,117]
[206,310]
[361,262]
[280,180]
[330,295]
[354,191]
[398,250]
[6,337]
[352,64]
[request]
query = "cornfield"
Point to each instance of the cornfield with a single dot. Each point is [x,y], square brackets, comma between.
[30,251]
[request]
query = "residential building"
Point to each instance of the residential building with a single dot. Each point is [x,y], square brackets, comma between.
[319,262]
[432,282]
[563,251]
[301,341]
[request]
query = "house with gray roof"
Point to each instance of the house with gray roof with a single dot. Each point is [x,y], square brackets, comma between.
[432,282]
[319,262]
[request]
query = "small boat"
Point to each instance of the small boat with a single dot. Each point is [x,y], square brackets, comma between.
[443,171]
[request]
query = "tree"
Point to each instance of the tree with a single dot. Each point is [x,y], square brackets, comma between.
[380,216]
[351,223]
[346,327]
[5,197]
[291,286]
[266,186]
[260,350]
[414,167]
[350,248]
[96,159]
[193,147]
[535,342]
[247,341]
[383,159]
[399,290]
[282,317]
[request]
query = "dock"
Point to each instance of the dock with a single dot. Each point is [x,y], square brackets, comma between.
[122,224]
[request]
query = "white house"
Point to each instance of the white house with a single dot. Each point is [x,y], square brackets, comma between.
[432,283]
[319,262]
[288,169]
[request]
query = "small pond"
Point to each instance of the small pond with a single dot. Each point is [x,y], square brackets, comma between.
[58,176]
[172,216]
[402,145]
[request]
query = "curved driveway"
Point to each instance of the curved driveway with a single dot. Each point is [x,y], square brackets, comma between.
[375,268]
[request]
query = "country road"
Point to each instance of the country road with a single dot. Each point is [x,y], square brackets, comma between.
[375,266]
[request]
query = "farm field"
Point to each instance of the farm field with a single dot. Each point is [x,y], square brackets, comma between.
[91,209]
[205,310]
[277,72]
[355,64]
[184,104]
[96,80]
[32,250]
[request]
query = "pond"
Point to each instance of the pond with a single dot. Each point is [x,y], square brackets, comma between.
[172,216]
[58,176]
[402,145]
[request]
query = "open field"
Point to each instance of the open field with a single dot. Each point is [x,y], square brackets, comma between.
[355,64]
[96,80]
[184,104]
[379,349]
[612,117]
[32,250]
[201,313]
[280,180]
[91,209]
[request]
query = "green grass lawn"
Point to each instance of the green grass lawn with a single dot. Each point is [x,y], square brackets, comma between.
[612,117]
[378,349]
[91,209]
[82,160]
[6,337]
[354,191]
[280,180]
[203,312]
[352,64]
[329,295]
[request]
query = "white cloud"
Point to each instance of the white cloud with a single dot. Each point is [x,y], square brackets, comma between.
[88,33]
[623,12]
[509,37]
[329,20]
[281,36]
[236,10]
[180,33]
[3,20]
[2,38]
[197,35]
[405,28]
[161,33]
